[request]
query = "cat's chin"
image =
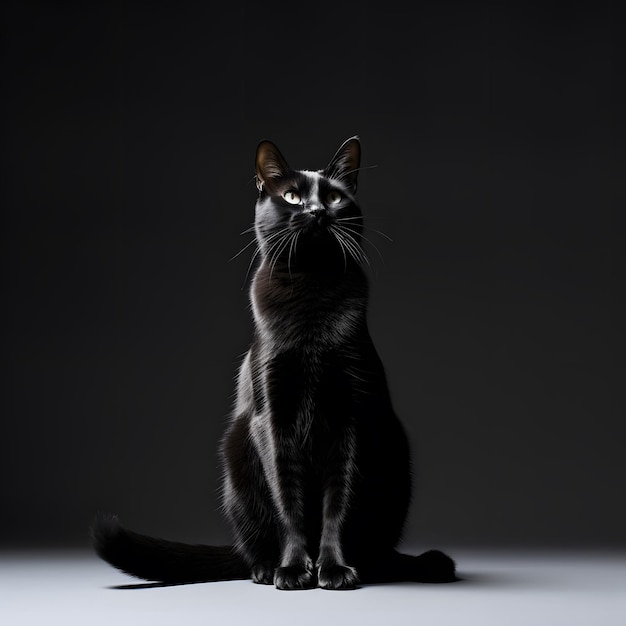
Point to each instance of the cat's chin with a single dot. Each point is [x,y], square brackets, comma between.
[314,229]
[319,250]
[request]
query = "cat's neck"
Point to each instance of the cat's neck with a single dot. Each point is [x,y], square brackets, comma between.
[300,307]
[320,278]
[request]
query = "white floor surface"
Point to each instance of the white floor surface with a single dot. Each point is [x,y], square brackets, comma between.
[503,588]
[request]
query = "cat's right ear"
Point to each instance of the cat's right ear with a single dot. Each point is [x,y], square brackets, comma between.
[345,164]
[270,166]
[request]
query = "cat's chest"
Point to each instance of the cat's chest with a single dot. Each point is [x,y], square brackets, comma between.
[310,394]
[309,320]
[312,332]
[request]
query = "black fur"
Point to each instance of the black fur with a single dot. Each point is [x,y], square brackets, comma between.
[316,465]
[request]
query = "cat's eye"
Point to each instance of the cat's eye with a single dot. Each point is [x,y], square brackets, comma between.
[292,197]
[333,197]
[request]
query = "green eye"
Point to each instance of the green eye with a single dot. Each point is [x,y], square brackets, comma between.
[292,197]
[333,197]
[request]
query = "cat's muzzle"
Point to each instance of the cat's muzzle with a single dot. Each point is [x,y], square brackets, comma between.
[319,215]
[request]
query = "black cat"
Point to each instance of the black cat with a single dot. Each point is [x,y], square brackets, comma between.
[316,467]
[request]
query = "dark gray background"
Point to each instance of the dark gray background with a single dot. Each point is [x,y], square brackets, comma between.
[129,132]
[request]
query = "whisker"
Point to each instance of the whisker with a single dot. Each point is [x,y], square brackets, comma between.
[294,238]
[256,252]
[258,249]
[282,231]
[343,252]
[374,230]
[248,230]
[379,232]
[352,246]
[366,239]
[274,236]
[279,247]
[270,251]
[355,244]
[242,250]
[280,250]
[341,247]
[356,169]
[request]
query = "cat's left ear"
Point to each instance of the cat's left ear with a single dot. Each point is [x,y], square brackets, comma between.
[344,166]
[270,165]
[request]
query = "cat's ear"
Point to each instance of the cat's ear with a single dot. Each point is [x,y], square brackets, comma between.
[344,166]
[270,165]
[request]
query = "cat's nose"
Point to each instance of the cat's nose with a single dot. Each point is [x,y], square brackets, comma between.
[318,212]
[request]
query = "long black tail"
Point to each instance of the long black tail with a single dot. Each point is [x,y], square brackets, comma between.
[164,561]
[432,566]
[155,559]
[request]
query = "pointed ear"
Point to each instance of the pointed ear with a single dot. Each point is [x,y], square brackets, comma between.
[344,166]
[270,165]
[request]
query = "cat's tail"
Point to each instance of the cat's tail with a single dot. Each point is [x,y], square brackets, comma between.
[432,566]
[164,561]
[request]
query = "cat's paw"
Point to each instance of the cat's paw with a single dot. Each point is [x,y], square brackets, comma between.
[294,577]
[263,573]
[337,577]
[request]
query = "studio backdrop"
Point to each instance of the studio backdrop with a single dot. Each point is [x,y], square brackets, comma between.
[128,142]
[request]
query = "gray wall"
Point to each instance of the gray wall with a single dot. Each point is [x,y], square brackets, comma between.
[129,132]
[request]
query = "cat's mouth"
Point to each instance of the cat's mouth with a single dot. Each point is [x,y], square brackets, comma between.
[315,240]
[313,221]
[330,241]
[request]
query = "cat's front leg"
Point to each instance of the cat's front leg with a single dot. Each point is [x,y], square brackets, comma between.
[296,569]
[283,470]
[332,570]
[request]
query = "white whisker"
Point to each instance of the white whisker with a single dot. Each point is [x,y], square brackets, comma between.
[342,248]
[371,243]
[242,250]
[353,241]
[351,245]
[279,247]
[356,169]
[374,230]
[294,238]
[256,252]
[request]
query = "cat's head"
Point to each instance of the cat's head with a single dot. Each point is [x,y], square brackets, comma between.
[305,217]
